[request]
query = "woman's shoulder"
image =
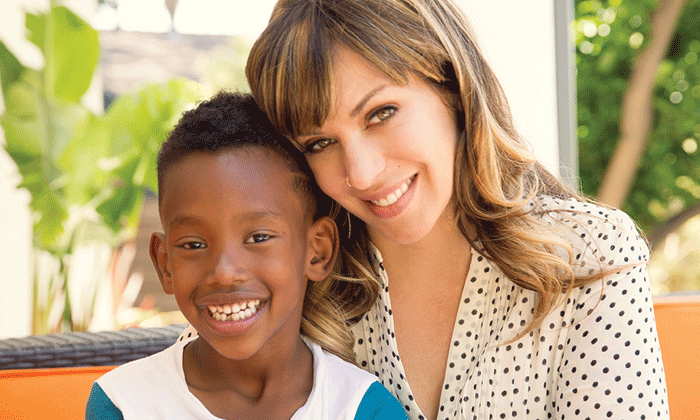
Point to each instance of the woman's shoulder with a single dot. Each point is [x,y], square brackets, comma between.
[606,236]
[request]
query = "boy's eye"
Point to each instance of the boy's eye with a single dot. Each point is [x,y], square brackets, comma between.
[381,114]
[193,245]
[257,238]
[318,145]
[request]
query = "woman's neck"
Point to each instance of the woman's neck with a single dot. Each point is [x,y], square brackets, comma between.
[444,246]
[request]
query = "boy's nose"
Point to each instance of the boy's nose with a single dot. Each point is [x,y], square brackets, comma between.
[229,268]
[364,161]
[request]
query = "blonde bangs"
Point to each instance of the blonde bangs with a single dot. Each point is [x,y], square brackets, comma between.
[290,67]
[289,71]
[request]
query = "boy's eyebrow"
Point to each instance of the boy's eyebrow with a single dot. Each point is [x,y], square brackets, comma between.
[185,220]
[194,220]
[256,215]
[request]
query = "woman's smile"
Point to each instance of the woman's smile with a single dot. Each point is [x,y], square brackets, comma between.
[391,204]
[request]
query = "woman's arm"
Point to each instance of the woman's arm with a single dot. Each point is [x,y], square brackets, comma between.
[612,366]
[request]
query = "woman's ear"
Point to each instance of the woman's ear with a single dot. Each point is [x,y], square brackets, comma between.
[323,247]
[159,257]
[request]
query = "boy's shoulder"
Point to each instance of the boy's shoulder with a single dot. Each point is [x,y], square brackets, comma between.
[154,385]
[344,391]
[150,368]
[331,368]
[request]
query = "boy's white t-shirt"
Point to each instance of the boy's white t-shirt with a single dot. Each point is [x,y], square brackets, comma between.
[154,388]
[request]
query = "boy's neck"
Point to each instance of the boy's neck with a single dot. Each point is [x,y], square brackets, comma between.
[271,384]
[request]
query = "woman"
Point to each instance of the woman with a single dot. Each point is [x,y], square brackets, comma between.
[501,293]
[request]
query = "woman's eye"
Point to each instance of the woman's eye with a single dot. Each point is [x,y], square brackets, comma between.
[381,114]
[193,245]
[318,145]
[258,237]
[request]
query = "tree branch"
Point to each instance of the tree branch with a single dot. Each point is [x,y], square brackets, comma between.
[637,106]
[661,232]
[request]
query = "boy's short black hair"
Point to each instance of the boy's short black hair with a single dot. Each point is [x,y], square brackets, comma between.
[233,120]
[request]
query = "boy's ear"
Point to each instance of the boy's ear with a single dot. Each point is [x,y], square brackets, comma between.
[324,244]
[159,256]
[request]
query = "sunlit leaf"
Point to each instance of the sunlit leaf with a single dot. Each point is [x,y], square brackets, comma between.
[10,68]
[75,53]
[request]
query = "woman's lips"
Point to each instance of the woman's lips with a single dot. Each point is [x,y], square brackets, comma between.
[393,197]
[395,202]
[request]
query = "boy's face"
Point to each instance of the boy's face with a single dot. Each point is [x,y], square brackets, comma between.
[238,249]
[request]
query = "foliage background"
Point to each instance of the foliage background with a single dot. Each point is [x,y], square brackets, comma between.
[609,36]
[86,173]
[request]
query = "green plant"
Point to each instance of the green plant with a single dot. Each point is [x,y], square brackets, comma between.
[610,34]
[86,173]
[610,38]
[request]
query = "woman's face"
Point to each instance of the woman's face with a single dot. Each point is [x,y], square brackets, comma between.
[385,152]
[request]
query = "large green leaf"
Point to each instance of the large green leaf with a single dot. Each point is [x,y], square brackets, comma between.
[38,128]
[37,125]
[70,48]
[85,160]
[140,123]
[23,119]
[51,212]
[76,50]
[117,209]
[10,68]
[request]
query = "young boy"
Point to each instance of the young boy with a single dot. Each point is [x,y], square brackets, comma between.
[242,238]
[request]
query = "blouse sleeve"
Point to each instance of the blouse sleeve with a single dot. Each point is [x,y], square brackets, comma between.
[611,366]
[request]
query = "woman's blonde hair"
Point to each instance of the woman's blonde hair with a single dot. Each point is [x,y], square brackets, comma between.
[496,176]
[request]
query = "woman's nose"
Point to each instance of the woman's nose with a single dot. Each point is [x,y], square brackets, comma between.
[364,161]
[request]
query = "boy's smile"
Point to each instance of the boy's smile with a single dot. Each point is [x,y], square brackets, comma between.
[237,249]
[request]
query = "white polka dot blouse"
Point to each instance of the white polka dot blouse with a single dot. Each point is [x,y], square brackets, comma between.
[596,356]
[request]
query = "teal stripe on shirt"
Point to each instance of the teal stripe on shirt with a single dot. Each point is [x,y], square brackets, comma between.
[99,406]
[379,404]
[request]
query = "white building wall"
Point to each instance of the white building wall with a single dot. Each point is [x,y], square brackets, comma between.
[517,38]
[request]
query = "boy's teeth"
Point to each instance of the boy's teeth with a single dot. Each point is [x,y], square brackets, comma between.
[235,312]
[394,196]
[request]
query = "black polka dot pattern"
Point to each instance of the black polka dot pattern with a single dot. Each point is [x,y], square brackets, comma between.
[595,356]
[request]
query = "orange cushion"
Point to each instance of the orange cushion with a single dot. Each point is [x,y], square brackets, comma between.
[678,326]
[55,394]
[62,393]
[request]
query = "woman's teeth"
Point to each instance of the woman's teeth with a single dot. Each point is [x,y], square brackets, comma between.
[394,197]
[235,312]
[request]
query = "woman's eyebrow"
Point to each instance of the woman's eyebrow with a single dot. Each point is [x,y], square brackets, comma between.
[366,99]
[357,108]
